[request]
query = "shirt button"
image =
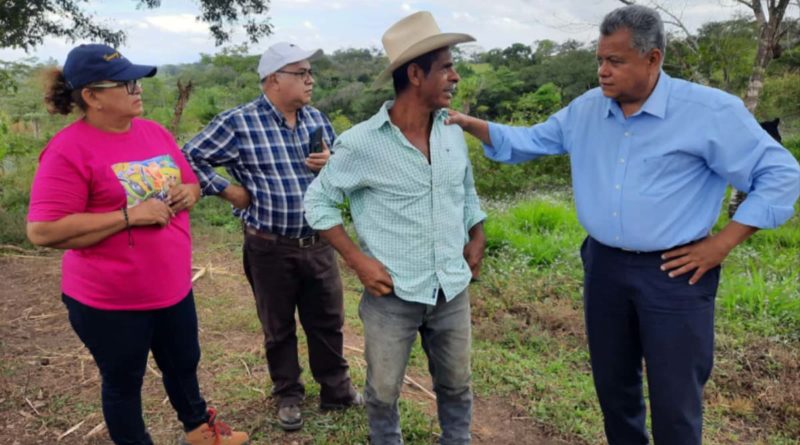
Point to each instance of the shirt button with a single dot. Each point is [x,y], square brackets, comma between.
[627,133]
[617,187]
[621,160]
[616,238]
[614,214]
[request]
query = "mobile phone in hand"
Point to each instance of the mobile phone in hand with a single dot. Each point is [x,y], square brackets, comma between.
[315,140]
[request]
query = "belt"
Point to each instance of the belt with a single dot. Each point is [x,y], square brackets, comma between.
[304,242]
[638,252]
[651,252]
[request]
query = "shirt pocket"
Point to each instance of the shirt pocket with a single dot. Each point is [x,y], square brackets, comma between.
[456,166]
[659,174]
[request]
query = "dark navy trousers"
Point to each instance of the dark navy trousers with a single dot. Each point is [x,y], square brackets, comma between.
[635,312]
[120,342]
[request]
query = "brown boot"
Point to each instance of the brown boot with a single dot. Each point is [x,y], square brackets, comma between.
[215,432]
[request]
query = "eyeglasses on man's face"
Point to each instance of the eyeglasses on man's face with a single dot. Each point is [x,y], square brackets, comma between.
[131,86]
[302,74]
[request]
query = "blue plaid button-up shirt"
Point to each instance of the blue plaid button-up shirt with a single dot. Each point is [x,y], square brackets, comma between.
[257,148]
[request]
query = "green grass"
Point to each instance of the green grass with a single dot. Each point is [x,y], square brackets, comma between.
[533,266]
[233,356]
[542,231]
[215,212]
[528,350]
[548,378]
[760,285]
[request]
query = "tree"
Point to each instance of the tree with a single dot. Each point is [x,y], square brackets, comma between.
[573,68]
[184,91]
[535,107]
[769,24]
[25,23]
[544,48]
[9,72]
[517,55]
[467,93]
[726,50]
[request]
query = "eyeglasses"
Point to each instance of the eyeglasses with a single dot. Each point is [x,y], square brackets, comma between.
[130,85]
[303,74]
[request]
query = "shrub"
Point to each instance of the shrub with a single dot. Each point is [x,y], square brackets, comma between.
[15,183]
[493,179]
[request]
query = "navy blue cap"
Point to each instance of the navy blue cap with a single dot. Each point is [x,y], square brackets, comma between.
[94,62]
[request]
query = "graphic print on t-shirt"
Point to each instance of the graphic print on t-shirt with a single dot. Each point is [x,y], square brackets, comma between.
[147,179]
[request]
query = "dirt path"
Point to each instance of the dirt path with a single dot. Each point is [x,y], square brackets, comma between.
[49,385]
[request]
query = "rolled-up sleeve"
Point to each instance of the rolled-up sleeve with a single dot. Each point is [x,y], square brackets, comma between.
[324,197]
[215,146]
[753,162]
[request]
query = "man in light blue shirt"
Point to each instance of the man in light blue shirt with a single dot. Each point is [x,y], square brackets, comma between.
[414,206]
[651,157]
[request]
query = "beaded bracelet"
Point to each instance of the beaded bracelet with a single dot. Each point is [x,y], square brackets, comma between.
[127,225]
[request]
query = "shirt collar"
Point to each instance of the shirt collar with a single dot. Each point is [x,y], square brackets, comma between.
[655,105]
[382,117]
[272,110]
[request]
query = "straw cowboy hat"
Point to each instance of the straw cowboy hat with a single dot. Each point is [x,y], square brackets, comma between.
[412,37]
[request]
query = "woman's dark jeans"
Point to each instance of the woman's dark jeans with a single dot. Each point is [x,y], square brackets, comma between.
[120,342]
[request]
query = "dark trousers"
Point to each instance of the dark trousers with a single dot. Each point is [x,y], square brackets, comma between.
[288,278]
[120,341]
[634,311]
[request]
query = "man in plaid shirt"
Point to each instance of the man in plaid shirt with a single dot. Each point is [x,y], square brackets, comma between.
[265,146]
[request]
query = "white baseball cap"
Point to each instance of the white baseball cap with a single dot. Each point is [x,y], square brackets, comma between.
[281,54]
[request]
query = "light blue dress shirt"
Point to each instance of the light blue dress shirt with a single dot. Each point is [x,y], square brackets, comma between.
[656,179]
[411,215]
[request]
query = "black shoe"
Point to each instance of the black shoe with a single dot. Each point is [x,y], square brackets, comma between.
[355,400]
[290,418]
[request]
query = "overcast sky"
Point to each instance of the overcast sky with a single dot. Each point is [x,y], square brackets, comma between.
[170,34]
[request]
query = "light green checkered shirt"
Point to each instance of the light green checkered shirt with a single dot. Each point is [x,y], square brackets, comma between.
[410,215]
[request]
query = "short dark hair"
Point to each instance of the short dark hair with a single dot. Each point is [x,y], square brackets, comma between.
[425,61]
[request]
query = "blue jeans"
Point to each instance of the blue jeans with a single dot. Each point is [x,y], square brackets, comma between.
[390,329]
[120,341]
[635,312]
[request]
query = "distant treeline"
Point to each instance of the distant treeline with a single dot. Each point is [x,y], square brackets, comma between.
[521,84]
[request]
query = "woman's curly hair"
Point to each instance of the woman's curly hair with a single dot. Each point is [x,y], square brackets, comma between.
[60,98]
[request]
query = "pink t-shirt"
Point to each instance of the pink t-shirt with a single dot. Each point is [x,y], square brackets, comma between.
[86,170]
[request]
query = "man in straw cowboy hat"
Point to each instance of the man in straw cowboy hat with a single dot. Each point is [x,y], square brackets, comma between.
[414,206]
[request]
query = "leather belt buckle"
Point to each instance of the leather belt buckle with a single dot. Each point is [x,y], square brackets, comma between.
[307,241]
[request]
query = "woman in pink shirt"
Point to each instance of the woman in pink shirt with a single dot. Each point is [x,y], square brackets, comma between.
[114,190]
